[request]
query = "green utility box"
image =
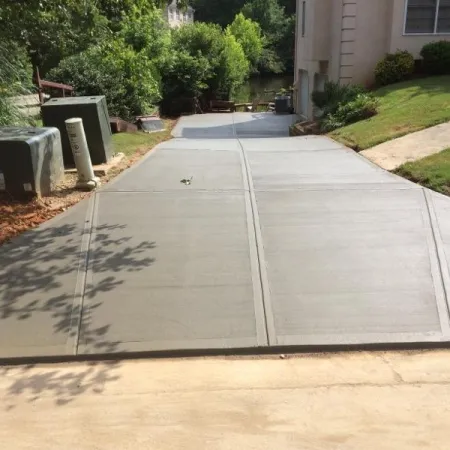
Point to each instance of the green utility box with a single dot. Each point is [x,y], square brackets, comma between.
[94,113]
[31,160]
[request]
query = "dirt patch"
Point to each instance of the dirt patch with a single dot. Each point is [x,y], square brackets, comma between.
[19,215]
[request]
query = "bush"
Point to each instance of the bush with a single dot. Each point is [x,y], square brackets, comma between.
[222,61]
[333,95]
[15,79]
[129,80]
[234,67]
[436,58]
[394,67]
[362,107]
[248,34]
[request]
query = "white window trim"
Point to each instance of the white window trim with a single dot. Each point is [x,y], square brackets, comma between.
[435,32]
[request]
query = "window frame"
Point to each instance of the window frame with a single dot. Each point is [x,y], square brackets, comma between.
[436,23]
[303,18]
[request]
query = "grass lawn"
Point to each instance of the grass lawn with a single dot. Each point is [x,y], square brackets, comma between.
[130,143]
[404,108]
[432,172]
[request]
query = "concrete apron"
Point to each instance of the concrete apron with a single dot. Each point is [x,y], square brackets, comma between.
[363,401]
[233,237]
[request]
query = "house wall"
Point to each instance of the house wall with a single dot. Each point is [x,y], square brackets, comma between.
[176,17]
[345,39]
[412,43]
[373,23]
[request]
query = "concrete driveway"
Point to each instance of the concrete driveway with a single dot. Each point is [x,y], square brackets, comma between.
[274,241]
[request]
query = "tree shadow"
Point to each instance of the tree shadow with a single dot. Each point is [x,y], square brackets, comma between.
[41,289]
[63,385]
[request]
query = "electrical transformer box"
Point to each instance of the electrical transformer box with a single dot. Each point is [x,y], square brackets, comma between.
[31,160]
[94,113]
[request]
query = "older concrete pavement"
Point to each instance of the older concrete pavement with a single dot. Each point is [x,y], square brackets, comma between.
[362,401]
[392,154]
[275,241]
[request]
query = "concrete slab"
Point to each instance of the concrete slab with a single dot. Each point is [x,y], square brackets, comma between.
[41,287]
[291,144]
[340,267]
[180,277]
[205,126]
[267,125]
[229,126]
[201,144]
[346,401]
[165,169]
[324,169]
[276,241]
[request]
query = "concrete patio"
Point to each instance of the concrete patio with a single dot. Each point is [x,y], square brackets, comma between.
[277,241]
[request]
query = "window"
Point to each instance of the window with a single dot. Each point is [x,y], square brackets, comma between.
[303,18]
[427,16]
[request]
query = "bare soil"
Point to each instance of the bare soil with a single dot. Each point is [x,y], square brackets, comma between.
[19,215]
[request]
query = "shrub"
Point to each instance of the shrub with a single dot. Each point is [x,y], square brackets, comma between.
[234,67]
[223,61]
[362,107]
[248,34]
[394,67]
[436,58]
[129,80]
[15,79]
[333,95]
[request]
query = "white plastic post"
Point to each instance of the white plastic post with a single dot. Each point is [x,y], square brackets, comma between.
[80,150]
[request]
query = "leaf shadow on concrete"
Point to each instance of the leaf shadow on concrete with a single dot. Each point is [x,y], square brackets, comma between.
[39,308]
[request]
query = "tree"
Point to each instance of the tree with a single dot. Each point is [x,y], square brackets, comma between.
[51,29]
[215,11]
[54,29]
[269,14]
[248,34]
[147,33]
[130,81]
[234,68]
[211,62]
[15,79]
[278,30]
[290,6]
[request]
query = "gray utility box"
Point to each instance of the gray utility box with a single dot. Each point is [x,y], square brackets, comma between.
[283,104]
[31,160]
[94,112]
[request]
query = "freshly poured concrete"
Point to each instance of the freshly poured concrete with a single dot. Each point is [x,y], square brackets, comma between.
[233,236]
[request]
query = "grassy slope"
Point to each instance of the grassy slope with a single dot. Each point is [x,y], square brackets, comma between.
[432,172]
[129,143]
[404,108]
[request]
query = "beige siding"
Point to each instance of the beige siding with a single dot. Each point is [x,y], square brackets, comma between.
[349,37]
[372,37]
[408,42]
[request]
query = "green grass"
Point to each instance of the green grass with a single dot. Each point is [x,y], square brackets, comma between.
[404,108]
[130,143]
[432,172]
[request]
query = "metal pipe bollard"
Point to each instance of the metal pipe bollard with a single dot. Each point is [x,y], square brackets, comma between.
[77,138]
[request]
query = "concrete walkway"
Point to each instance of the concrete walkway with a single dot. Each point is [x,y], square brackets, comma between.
[414,146]
[276,242]
[376,401]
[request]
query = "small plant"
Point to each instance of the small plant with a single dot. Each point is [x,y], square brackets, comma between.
[333,95]
[436,58]
[341,105]
[362,107]
[283,92]
[394,67]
